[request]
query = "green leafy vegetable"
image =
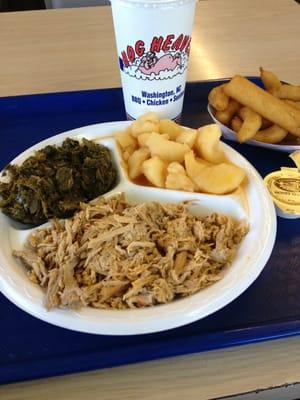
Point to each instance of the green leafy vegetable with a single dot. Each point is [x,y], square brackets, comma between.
[54,181]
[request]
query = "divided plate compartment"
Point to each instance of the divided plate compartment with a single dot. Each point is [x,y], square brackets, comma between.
[247,265]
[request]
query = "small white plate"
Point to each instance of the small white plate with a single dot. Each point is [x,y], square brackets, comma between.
[229,134]
[248,264]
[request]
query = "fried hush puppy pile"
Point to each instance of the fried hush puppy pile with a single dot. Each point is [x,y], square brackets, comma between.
[271,115]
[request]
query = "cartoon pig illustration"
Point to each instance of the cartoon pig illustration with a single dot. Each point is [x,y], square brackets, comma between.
[151,64]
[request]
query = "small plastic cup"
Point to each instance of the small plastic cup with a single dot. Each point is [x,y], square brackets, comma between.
[153,42]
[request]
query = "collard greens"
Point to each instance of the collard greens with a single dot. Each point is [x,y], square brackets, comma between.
[54,181]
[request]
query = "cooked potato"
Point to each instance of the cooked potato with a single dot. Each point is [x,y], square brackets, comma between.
[125,139]
[126,155]
[142,139]
[187,136]
[155,170]
[166,149]
[215,179]
[178,179]
[192,166]
[176,168]
[207,144]
[138,127]
[169,127]
[203,162]
[178,158]
[150,117]
[135,162]
[220,179]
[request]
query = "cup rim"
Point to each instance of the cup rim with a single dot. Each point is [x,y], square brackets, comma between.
[153,3]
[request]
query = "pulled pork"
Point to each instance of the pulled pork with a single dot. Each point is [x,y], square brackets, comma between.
[111,254]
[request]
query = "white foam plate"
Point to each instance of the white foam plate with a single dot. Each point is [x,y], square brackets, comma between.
[248,264]
[229,134]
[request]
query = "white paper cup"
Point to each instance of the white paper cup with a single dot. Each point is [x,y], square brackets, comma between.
[153,42]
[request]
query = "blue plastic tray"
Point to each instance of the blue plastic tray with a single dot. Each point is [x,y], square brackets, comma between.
[270,308]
